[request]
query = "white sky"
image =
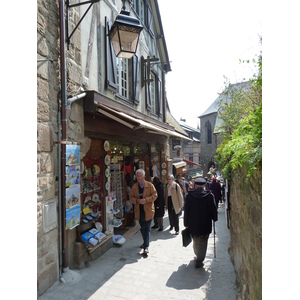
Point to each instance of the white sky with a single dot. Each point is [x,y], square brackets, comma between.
[205,40]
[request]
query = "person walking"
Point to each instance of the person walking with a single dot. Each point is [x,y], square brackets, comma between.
[159,204]
[216,189]
[199,212]
[173,202]
[184,187]
[207,184]
[143,195]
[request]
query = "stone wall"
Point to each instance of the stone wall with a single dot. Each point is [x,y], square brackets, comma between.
[246,233]
[48,87]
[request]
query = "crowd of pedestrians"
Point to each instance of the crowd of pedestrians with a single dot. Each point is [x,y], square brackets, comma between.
[199,199]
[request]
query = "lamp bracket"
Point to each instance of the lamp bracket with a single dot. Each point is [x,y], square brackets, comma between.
[147,63]
[68,6]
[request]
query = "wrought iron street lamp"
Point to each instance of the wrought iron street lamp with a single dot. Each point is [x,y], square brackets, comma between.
[124,34]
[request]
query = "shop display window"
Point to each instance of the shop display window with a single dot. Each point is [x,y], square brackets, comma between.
[91,188]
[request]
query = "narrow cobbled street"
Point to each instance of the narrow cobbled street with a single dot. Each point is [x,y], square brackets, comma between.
[167,273]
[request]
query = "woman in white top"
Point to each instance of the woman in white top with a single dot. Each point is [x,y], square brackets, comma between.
[173,202]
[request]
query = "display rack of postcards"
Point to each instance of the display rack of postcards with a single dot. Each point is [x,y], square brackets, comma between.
[117,185]
[91,183]
[111,213]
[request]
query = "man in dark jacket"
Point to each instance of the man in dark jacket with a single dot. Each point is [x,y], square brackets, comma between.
[216,189]
[199,212]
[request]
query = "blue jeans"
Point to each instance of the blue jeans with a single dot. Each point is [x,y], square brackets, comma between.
[145,228]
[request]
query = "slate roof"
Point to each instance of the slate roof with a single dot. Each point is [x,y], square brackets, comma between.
[213,108]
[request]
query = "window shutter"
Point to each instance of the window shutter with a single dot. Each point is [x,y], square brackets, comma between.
[136,79]
[159,95]
[111,68]
[150,20]
[147,87]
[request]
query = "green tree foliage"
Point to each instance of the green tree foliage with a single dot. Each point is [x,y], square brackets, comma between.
[241,126]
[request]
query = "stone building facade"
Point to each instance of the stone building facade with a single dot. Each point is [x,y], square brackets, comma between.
[210,137]
[135,117]
[209,141]
[191,151]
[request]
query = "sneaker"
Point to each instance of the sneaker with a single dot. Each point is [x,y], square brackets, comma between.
[155,226]
[142,246]
[146,251]
[160,229]
[171,228]
[176,233]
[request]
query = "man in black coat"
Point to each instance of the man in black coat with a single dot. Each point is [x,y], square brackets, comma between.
[216,189]
[199,212]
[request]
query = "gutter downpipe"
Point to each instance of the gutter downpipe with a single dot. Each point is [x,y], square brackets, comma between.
[64,246]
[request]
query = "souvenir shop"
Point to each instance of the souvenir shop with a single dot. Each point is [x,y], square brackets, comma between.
[119,145]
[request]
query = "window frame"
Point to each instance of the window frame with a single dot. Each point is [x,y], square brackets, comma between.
[208,130]
[123,81]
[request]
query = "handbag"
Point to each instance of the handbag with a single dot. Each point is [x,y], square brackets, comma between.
[186,237]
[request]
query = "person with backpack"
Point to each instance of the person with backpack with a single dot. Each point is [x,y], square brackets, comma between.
[173,202]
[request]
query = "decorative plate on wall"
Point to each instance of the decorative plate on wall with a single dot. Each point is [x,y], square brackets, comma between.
[163,165]
[107,160]
[106,145]
[95,197]
[163,172]
[87,199]
[107,186]
[107,172]
[98,226]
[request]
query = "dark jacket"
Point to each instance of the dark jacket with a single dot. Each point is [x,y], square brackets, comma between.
[199,211]
[216,189]
[159,202]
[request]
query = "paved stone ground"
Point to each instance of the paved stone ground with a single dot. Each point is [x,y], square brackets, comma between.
[167,273]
